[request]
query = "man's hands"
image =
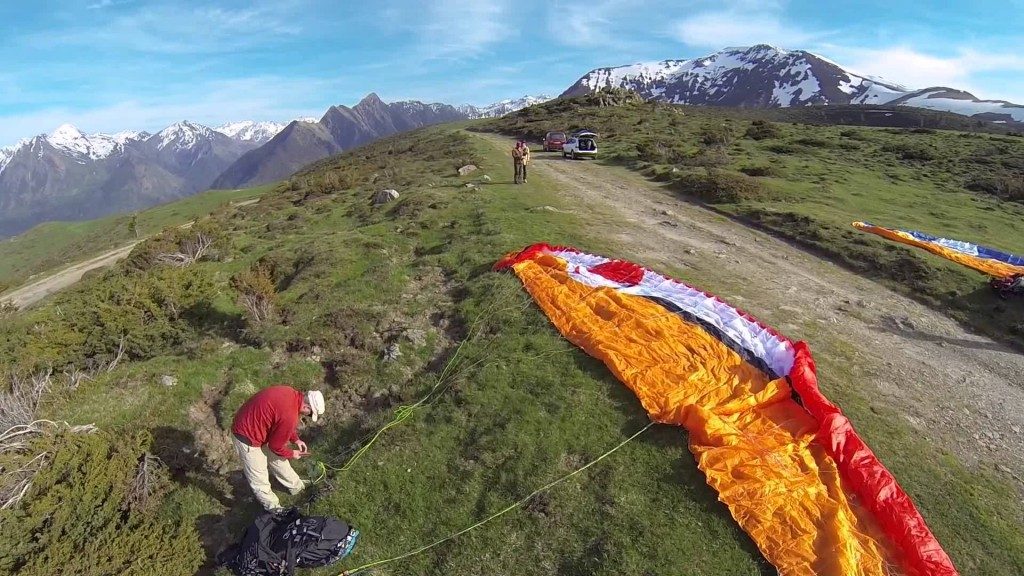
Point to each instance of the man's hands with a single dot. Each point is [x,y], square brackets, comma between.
[303,450]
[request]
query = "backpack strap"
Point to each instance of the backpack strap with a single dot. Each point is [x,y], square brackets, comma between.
[289,568]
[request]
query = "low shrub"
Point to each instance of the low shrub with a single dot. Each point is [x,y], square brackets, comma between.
[910,151]
[719,187]
[762,130]
[785,148]
[659,153]
[707,158]
[257,294]
[814,142]
[1005,187]
[97,506]
[137,316]
[760,171]
[715,135]
[177,246]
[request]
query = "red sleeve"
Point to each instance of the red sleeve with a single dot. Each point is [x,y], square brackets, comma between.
[283,433]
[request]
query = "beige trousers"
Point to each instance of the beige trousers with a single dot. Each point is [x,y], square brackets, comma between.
[256,463]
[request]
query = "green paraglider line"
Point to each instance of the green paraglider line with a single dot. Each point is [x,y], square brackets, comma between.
[501,512]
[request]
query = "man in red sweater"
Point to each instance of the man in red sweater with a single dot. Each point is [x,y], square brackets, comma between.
[263,429]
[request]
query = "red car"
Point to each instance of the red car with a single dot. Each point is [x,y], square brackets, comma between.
[553,141]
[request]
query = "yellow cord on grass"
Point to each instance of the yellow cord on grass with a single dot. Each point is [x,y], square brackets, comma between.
[517,504]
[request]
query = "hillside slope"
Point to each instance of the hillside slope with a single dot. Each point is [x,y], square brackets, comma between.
[377,305]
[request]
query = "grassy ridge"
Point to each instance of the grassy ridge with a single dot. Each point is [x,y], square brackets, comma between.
[807,183]
[352,281]
[55,244]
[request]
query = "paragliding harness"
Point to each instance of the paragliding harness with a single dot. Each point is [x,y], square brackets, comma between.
[1009,286]
[277,543]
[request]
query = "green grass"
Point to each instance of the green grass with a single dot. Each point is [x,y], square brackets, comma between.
[521,408]
[813,181]
[56,244]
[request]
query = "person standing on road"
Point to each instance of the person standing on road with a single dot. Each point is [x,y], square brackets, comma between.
[263,428]
[518,157]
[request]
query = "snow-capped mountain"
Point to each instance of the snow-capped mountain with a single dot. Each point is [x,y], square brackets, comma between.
[503,107]
[72,141]
[251,131]
[182,136]
[70,175]
[766,76]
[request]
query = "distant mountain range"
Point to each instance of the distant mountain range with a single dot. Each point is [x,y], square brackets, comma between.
[340,128]
[69,175]
[765,76]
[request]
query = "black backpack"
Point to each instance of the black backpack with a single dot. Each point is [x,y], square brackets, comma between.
[277,543]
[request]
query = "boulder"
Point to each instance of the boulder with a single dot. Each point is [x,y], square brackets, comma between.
[392,352]
[385,196]
[467,169]
[168,380]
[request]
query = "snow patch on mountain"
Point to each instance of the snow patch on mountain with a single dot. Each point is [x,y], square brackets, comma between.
[932,100]
[7,153]
[81,146]
[251,131]
[502,107]
[182,135]
[786,93]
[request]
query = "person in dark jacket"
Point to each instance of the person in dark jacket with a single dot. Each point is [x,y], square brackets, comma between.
[265,428]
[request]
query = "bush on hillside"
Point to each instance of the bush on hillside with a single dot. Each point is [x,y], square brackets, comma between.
[136,316]
[814,142]
[762,130]
[760,170]
[718,186]
[785,148]
[177,247]
[911,151]
[1005,187]
[257,294]
[853,134]
[658,152]
[98,506]
[708,158]
[715,135]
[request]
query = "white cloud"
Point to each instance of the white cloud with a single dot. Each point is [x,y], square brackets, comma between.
[255,98]
[916,69]
[106,4]
[173,29]
[593,24]
[719,29]
[457,30]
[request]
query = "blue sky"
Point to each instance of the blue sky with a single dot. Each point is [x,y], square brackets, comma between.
[110,65]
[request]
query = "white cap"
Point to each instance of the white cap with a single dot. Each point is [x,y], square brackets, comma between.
[315,398]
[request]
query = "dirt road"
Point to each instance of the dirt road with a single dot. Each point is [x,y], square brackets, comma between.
[31,293]
[962,391]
